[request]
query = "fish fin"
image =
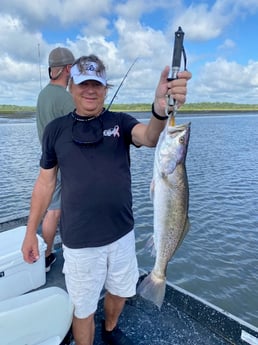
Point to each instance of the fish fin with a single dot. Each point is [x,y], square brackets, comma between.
[153,289]
[168,168]
[150,246]
[152,190]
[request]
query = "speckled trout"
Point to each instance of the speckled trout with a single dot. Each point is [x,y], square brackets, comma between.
[170,195]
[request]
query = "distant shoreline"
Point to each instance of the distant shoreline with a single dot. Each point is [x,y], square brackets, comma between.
[19,112]
[32,115]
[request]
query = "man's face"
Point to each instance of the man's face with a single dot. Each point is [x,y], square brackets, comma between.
[89,97]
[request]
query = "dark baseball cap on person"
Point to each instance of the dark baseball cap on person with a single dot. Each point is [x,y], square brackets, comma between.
[60,57]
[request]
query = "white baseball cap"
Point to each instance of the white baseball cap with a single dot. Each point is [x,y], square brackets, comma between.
[88,70]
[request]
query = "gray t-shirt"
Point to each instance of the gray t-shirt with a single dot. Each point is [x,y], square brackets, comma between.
[53,101]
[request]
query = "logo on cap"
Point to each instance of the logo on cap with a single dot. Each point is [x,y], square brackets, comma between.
[88,70]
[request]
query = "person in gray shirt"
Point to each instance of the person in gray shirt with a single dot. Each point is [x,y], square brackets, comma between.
[54,101]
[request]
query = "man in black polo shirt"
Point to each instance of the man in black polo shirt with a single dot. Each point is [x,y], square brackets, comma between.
[91,147]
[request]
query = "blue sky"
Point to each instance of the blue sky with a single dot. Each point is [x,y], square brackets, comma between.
[220,42]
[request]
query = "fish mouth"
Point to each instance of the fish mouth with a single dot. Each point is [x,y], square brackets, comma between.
[178,128]
[182,133]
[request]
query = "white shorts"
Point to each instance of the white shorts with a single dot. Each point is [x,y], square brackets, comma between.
[87,270]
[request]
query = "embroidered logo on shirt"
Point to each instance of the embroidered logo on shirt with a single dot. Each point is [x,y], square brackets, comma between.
[112,131]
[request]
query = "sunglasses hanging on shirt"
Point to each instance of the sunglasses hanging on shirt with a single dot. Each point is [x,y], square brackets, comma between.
[87,131]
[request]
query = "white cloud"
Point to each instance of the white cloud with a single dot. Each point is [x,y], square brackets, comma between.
[15,40]
[64,12]
[227,44]
[226,81]
[118,32]
[202,22]
[208,19]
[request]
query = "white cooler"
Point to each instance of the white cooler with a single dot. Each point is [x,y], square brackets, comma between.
[17,276]
[41,317]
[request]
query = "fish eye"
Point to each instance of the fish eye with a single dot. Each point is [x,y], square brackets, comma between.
[182,140]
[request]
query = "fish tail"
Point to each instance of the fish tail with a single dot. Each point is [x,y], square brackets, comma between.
[153,289]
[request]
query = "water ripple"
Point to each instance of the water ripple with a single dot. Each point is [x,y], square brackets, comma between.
[218,259]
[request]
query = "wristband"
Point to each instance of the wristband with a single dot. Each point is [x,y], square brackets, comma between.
[158,117]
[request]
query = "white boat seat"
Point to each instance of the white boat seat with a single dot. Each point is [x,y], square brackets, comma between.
[41,317]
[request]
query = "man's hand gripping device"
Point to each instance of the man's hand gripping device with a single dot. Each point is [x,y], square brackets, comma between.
[171,108]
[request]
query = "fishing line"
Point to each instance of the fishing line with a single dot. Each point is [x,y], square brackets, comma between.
[121,83]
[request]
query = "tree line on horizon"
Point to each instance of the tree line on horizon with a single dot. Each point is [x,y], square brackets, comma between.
[139,107]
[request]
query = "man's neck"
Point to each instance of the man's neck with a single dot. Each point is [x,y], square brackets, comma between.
[60,82]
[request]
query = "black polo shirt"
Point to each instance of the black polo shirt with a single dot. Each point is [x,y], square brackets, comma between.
[96,199]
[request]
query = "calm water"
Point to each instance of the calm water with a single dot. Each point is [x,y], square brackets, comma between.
[218,259]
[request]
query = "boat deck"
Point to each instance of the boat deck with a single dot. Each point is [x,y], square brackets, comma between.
[182,319]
